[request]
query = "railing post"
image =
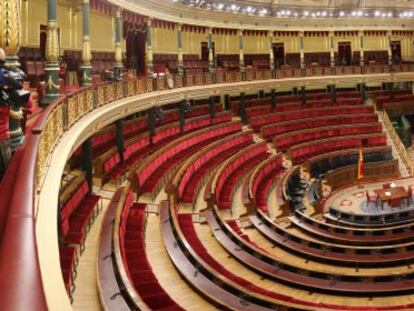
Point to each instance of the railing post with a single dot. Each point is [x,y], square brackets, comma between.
[151,123]
[87,161]
[303,95]
[333,93]
[182,115]
[273,99]
[65,114]
[212,106]
[226,102]
[242,109]
[119,138]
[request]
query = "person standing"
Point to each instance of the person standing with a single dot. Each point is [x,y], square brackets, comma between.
[5,114]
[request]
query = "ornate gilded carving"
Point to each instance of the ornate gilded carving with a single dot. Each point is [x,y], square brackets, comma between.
[52,42]
[10,29]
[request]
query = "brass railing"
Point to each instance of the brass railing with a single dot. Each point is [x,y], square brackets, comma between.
[70,108]
[405,157]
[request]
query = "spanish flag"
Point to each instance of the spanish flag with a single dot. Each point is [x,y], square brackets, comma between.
[360,164]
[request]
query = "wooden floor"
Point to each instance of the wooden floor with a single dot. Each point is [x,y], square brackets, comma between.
[86,296]
[167,275]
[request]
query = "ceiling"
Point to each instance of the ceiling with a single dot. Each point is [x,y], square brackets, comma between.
[348,4]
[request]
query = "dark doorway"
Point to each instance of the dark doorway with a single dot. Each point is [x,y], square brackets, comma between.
[204,51]
[344,53]
[43,39]
[279,54]
[135,51]
[396,52]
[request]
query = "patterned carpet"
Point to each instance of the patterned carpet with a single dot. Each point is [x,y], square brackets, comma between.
[353,200]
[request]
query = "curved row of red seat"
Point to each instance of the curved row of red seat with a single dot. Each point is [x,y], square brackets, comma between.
[304,152]
[257,122]
[284,142]
[137,266]
[134,127]
[196,170]
[145,174]
[279,128]
[239,166]
[286,99]
[261,110]
[135,147]
[152,184]
[263,179]
[76,213]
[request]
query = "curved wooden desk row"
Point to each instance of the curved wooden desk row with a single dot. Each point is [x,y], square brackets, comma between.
[224,288]
[267,265]
[372,171]
[337,159]
[110,291]
[352,236]
[285,127]
[388,219]
[338,254]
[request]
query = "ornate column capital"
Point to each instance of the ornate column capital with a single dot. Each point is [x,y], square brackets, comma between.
[10,30]
[118,12]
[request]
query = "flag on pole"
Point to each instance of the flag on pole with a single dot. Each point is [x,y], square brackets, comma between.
[360,164]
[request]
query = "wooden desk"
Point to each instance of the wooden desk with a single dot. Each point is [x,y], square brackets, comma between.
[393,193]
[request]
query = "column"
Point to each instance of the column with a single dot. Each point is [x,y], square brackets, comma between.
[273,99]
[87,158]
[151,123]
[180,49]
[241,53]
[150,68]
[261,94]
[271,55]
[119,137]
[86,46]
[10,42]
[361,47]
[118,47]
[362,86]
[212,106]
[242,109]
[389,39]
[303,95]
[301,49]
[181,114]
[210,50]
[52,55]
[227,101]
[391,89]
[333,93]
[332,48]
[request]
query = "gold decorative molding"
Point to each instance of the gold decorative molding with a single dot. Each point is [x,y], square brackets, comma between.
[173,12]
[52,43]
[10,30]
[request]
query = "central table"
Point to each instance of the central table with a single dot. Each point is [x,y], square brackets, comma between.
[389,194]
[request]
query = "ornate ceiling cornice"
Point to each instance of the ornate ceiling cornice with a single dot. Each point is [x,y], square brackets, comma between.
[169,11]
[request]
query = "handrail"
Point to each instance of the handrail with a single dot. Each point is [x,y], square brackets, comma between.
[19,261]
[399,146]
